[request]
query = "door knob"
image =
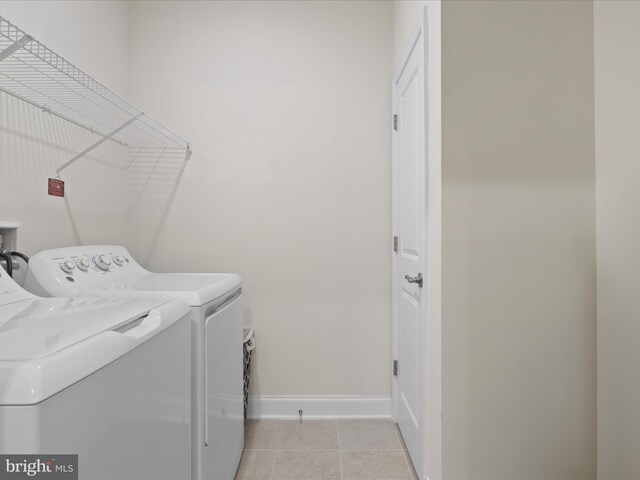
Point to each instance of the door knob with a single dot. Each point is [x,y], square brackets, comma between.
[417,279]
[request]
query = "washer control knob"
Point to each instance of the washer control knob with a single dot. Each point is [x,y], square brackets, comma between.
[67,266]
[102,262]
[82,264]
[118,260]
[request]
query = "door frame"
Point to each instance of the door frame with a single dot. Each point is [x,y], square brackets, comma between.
[420,34]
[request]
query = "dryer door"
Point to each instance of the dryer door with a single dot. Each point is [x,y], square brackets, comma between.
[224,417]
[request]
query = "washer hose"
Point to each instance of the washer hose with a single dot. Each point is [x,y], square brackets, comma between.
[9,267]
[19,255]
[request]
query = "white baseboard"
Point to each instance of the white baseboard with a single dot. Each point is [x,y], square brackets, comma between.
[334,406]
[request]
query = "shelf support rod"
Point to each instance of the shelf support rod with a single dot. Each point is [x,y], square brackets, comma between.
[97,144]
[14,47]
[48,110]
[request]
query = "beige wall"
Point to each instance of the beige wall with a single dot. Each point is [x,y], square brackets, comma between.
[94,36]
[288,108]
[617,40]
[519,309]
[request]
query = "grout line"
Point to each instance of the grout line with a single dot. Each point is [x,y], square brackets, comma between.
[339,448]
[311,449]
[371,449]
[280,435]
[307,449]
[275,457]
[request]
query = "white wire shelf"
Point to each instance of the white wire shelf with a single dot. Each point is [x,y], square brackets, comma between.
[38,76]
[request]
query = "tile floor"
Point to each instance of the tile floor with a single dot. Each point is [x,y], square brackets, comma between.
[324,450]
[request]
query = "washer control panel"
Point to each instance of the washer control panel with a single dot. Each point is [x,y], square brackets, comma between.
[69,271]
[102,262]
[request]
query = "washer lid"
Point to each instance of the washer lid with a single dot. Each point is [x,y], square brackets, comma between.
[39,327]
[46,345]
[195,289]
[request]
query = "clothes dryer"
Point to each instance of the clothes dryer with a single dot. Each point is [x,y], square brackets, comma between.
[105,378]
[215,302]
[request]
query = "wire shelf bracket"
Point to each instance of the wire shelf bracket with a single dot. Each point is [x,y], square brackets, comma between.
[96,144]
[15,46]
[33,73]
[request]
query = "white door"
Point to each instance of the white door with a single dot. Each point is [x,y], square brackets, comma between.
[409,259]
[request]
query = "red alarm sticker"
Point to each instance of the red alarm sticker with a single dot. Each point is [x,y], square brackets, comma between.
[56,187]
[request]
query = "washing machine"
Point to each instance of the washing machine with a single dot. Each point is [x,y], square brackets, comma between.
[215,302]
[105,379]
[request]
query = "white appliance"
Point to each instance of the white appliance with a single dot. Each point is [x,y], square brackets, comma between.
[216,315]
[106,379]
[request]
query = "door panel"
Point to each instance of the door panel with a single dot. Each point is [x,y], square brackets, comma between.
[408,336]
[409,236]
